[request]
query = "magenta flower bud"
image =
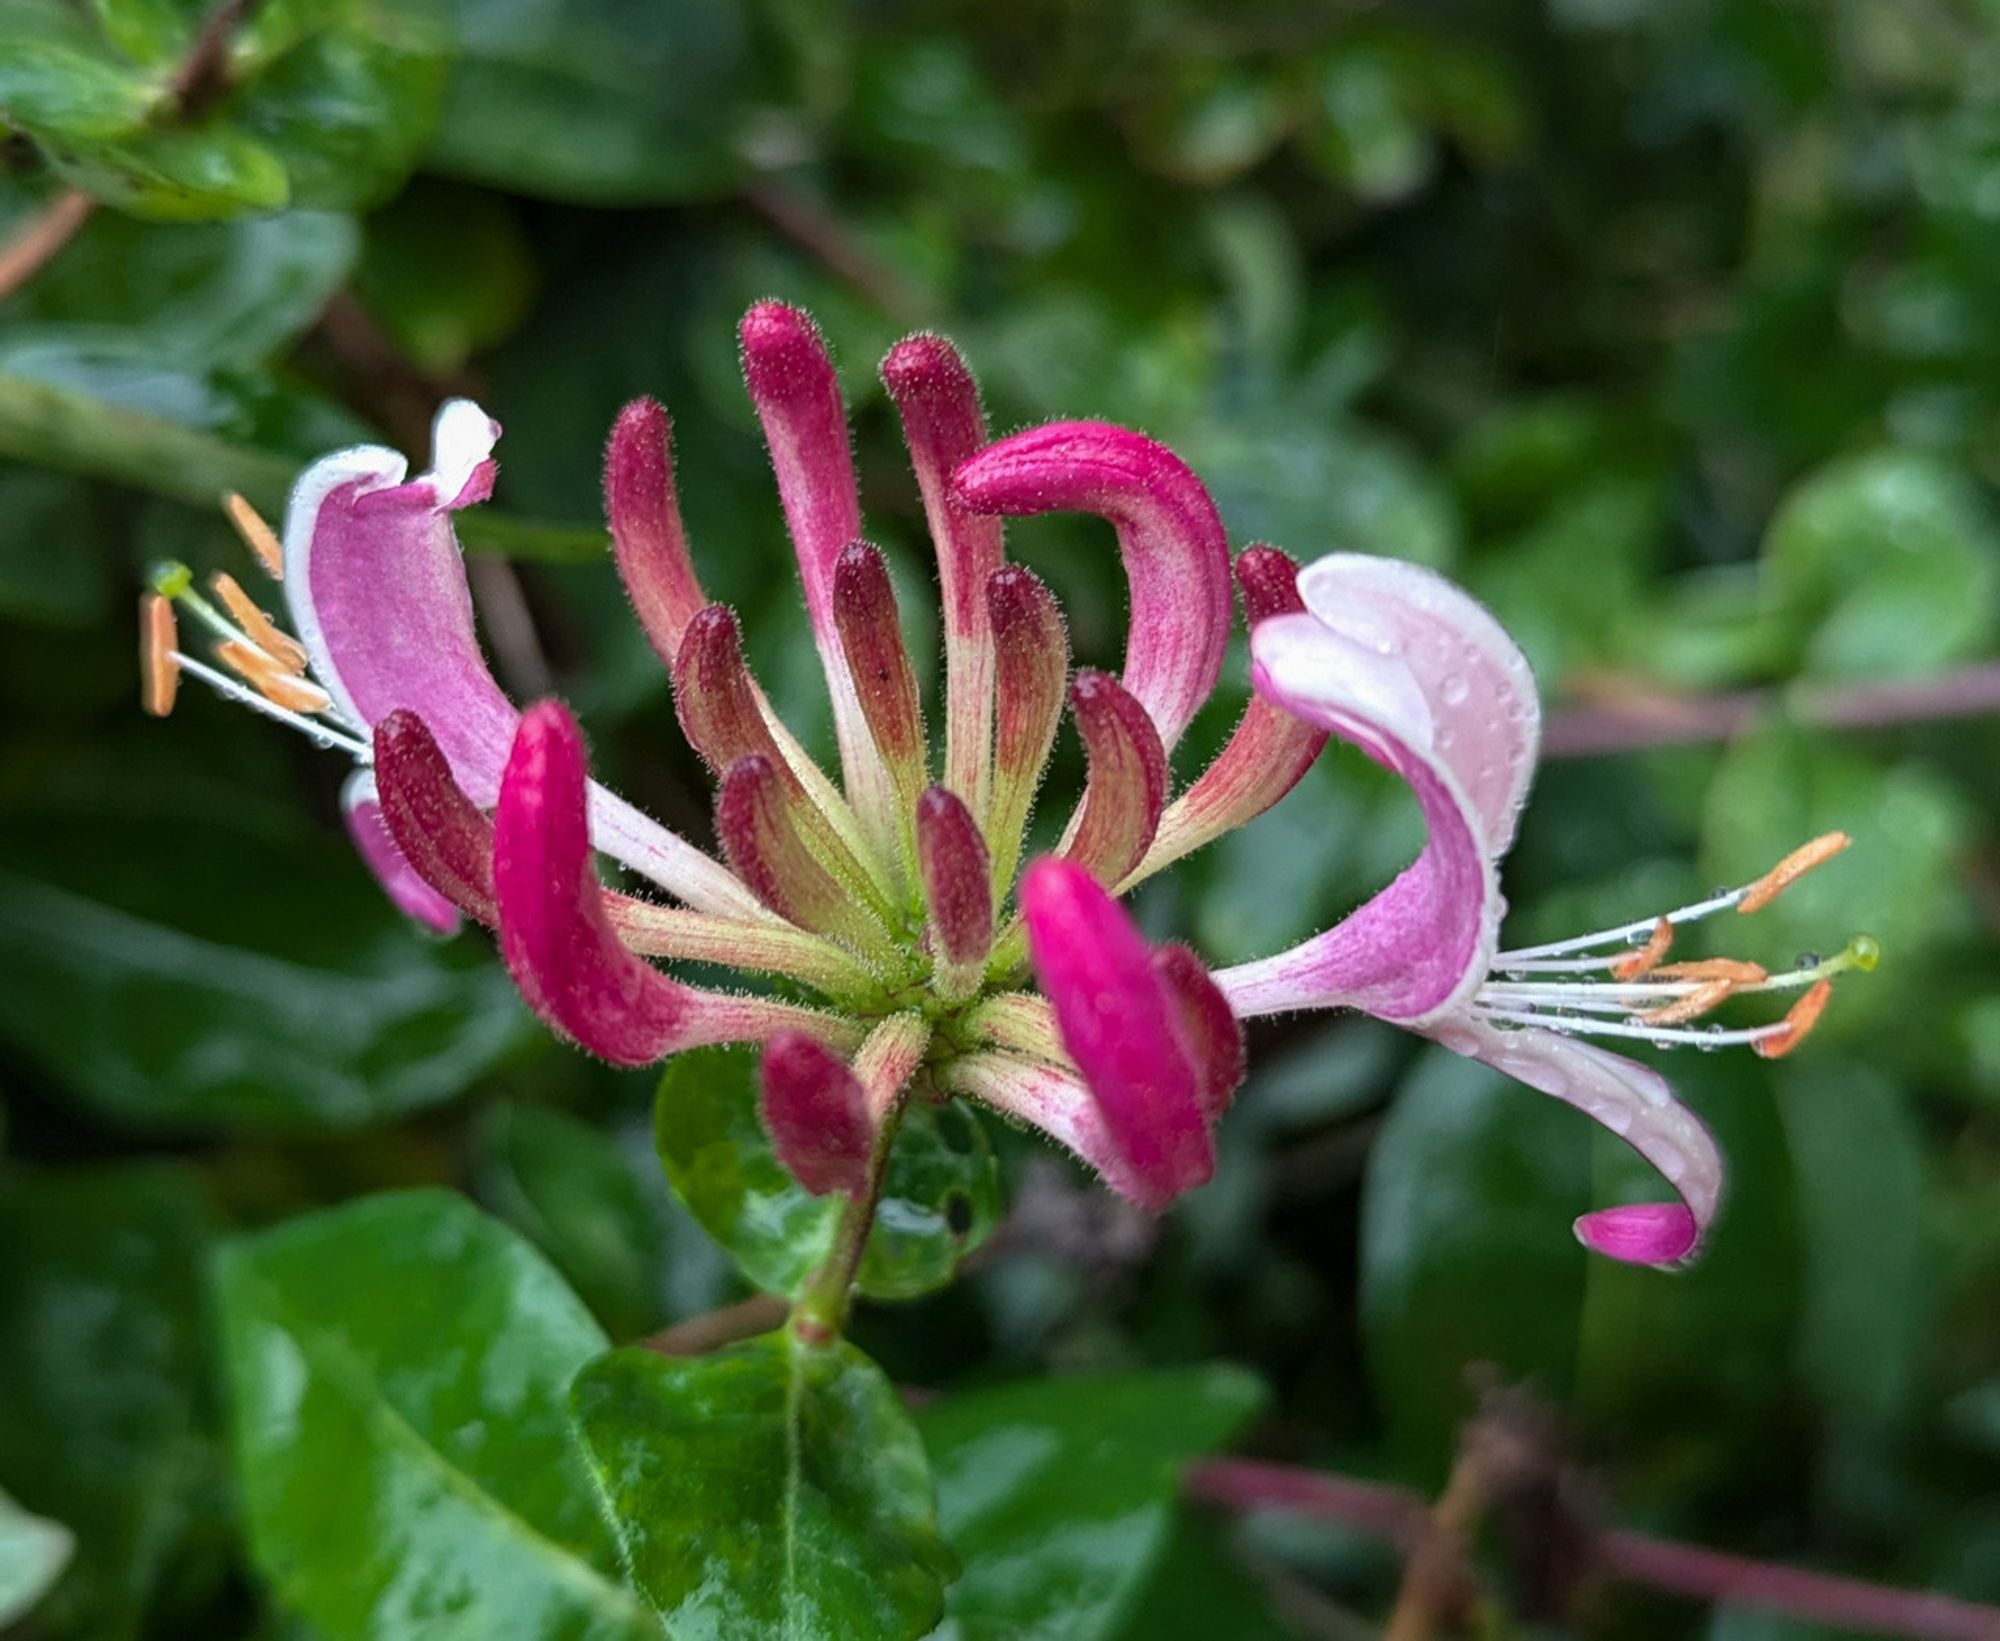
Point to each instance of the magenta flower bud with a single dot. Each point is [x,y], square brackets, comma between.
[1122,1026]
[647,537]
[1268,754]
[1126,788]
[754,817]
[816,1112]
[1270,583]
[714,696]
[943,425]
[1210,1031]
[557,937]
[864,608]
[958,890]
[1031,665]
[438,830]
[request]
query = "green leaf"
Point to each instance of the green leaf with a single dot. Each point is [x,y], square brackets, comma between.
[61,425]
[285,991]
[447,271]
[1199,1591]
[179,175]
[1895,555]
[33,1554]
[770,1488]
[1466,1251]
[574,1193]
[398,1370]
[198,295]
[48,573]
[59,84]
[103,1418]
[594,100]
[940,1201]
[1058,1495]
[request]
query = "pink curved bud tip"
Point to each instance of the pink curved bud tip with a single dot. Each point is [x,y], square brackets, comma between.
[1646,1233]
[647,536]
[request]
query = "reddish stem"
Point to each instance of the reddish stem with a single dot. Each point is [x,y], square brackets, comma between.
[1401,1517]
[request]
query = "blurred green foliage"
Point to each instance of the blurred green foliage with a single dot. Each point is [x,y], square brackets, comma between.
[1671,326]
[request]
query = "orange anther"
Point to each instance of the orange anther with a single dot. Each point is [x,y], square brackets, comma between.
[279,645]
[159,674]
[1804,1014]
[1635,963]
[262,674]
[1732,969]
[1695,1004]
[1789,870]
[258,536]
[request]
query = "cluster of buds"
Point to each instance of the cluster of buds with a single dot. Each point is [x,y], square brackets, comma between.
[892,902]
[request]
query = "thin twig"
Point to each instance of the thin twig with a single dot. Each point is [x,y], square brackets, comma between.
[1643,719]
[44,234]
[1400,1516]
[1437,1574]
[698,1335]
[827,240]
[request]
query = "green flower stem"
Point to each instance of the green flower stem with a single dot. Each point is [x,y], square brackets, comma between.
[820,1312]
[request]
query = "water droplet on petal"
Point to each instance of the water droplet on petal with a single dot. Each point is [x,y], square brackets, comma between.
[1806,960]
[1454,689]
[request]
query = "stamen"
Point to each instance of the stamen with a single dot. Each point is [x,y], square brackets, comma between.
[1659,1036]
[1736,971]
[159,677]
[321,734]
[258,627]
[1799,1020]
[1691,1007]
[1647,956]
[258,536]
[270,680]
[1789,870]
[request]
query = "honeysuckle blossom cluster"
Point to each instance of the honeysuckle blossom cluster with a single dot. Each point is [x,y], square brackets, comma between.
[890,898]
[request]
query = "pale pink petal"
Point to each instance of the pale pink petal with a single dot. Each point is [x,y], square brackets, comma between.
[1176,553]
[361,806]
[1635,1103]
[1413,951]
[1119,1023]
[1485,714]
[377,590]
[557,937]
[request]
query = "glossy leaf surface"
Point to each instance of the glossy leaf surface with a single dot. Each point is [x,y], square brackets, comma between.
[398,1369]
[772,1488]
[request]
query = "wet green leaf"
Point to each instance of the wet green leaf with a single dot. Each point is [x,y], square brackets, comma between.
[399,1369]
[1059,1495]
[59,83]
[772,1487]
[941,1199]
[122,968]
[574,1192]
[593,100]
[104,1417]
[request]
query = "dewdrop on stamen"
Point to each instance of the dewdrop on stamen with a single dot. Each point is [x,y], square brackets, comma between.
[1798,1021]
[1789,870]
[258,627]
[258,536]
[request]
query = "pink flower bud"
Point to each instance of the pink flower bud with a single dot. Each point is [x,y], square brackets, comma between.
[864,608]
[816,1112]
[647,537]
[439,831]
[1126,788]
[958,892]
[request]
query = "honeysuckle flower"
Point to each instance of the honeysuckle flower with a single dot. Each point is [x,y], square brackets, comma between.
[889,898]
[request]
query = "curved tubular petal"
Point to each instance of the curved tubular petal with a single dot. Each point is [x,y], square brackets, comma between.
[816,1113]
[647,536]
[439,831]
[943,424]
[1176,553]
[1635,1103]
[1267,755]
[1486,715]
[557,937]
[1212,1033]
[1125,788]
[1121,1025]
[1031,664]
[792,384]
[361,807]
[376,586]
[1413,951]
[1057,1102]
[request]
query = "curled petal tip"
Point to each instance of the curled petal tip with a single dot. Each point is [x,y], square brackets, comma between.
[1647,1233]
[1270,583]
[816,1112]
